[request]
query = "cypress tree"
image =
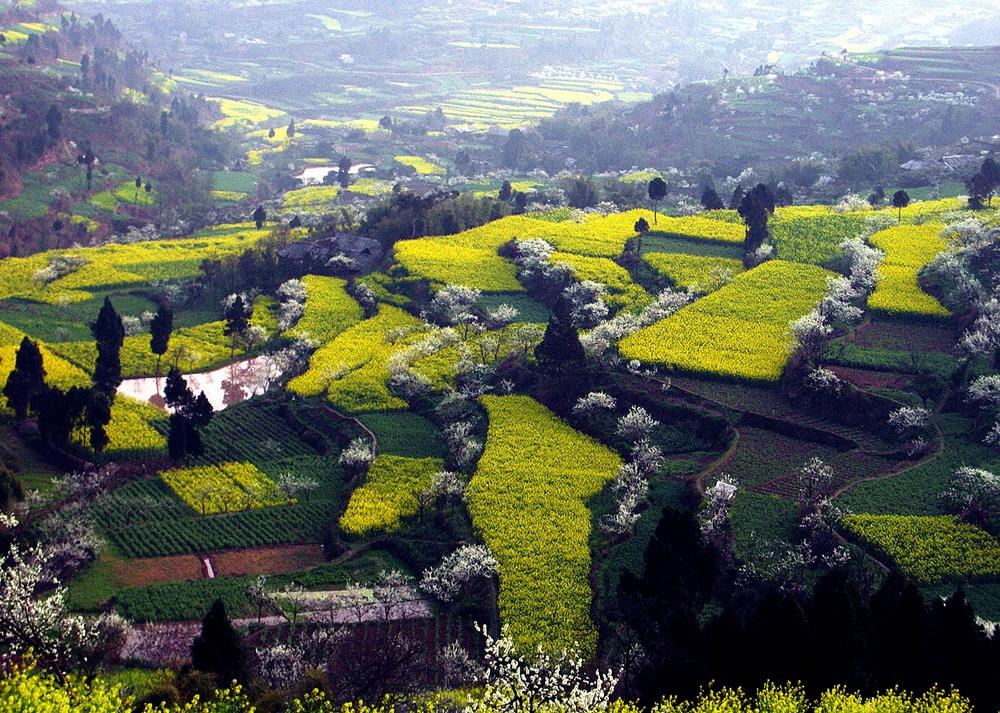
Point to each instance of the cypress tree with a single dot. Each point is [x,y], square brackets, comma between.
[218,648]
[159,329]
[109,333]
[26,379]
[710,199]
[755,208]
[561,343]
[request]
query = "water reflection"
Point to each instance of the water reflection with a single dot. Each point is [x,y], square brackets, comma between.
[223,387]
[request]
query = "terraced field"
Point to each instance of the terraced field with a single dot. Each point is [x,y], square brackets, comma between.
[740,331]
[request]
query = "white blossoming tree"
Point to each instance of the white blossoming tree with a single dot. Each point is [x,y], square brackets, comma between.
[358,455]
[716,506]
[594,402]
[973,493]
[544,682]
[636,425]
[457,570]
[812,479]
[34,615]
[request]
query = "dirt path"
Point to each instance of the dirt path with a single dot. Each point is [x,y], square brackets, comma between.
[337,414]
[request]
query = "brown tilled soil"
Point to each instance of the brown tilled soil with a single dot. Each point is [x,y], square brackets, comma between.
[143,572]
[261,560]
[905,336]
[267,560]
[870,379]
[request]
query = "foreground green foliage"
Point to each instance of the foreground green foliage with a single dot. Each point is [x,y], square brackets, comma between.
[24,689]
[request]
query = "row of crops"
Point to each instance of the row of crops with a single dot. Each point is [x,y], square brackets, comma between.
[528,500]
[124,265]
[740,331]
[930,549]
[388,494]
[908,248]
[353,368]
[223,487]
[291,524]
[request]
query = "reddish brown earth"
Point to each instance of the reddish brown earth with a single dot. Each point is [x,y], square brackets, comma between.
[868,379]
[904,336]
[267,560]
[143,572]
[261,560]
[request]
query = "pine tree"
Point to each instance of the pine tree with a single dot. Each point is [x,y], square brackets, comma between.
[190,414]
[218,648]
[710,199]
[237,316]
[506,191]
[560,345]
[98,416]
[657,191]
[900,199]
[109,333]
[159,329]
[755,208]
[737,197]
[26,379]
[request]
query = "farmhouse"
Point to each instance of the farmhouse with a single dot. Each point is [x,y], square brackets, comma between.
[365,252]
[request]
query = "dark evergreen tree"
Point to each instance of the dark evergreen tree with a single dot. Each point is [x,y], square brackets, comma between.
[506,191]
[756,207]
[189,415]
[60,412]
[160,329]
[980,191]
[657,191]
[710,199]
[259,215]
[513,148]
[176,392]
[900,199]
[26,379]
[990,171]
[583,193]
[783,196]
[899,652]
[201,411]
[218,648]
[109,333]
[98,416]
[776,642]
[736,198]
[876,197]
[344,172]
[663,606]
[560,346]
[960,651]
[520,201]
[53,122]
[237,316]
[840,636]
